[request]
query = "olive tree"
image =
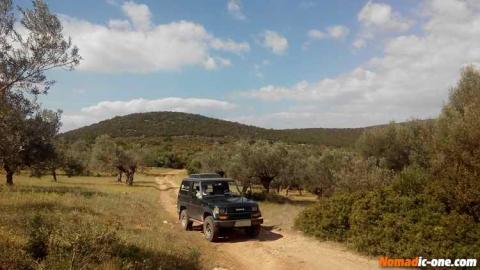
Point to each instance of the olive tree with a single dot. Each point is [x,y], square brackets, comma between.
[31,43]
[263,161]
[30,46]
[456,163]
[215,160]
[294,173]
[108,156]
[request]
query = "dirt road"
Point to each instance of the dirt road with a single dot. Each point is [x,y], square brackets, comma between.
[273,249]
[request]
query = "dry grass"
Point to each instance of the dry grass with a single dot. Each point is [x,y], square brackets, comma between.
[94,203]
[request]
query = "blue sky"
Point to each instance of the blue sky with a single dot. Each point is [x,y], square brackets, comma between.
[279,64]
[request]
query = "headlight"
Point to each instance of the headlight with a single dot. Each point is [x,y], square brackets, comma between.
[254,208]
[218,210]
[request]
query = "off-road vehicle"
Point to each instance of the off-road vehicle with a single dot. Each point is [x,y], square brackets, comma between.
[216,203]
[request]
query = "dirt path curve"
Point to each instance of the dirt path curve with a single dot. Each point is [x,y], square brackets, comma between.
[273,249]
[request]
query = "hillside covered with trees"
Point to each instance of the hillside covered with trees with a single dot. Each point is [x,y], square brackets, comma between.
[170,124]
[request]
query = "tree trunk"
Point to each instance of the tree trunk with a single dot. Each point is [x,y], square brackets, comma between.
[119,177]
[244,189]
[54,174]
[266,183]
[9,178]
[9,175]
[129,180]
[130,175]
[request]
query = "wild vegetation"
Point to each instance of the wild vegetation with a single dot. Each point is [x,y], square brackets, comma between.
[405,189]
[430,205]
[28,130]
[81,223]
[157,126]
[401,190]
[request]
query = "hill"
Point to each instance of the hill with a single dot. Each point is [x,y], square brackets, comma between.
[171,124]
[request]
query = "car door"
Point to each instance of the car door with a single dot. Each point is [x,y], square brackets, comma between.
[195,210]
[184,196]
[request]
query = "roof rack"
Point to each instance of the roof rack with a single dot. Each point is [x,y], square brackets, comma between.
[205,175]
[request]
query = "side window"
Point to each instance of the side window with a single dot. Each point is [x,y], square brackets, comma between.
[196,189]
[185,187]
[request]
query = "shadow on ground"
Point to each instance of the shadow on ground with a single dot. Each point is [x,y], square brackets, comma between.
[238,235]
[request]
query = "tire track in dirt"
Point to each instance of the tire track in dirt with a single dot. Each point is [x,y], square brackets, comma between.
[273,249]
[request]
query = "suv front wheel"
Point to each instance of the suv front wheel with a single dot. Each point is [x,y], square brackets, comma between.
[210,230]
[185,221]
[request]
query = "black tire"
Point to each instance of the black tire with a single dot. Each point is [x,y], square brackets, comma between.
[187,224]
[253,231]
[210,231]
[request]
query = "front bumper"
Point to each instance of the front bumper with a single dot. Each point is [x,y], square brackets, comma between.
[239,223]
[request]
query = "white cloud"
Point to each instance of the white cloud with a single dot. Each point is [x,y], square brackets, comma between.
[411,79]
[338,31]
[234,7]
[137,45]
[139,14]
[332,32]
[316,34]
[275,42]
[230,45]
[379,18]
[108,109]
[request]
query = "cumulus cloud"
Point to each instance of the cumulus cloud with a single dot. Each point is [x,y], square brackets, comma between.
[378,18]
[139,14]
[277,43]
[411,79]
[333,32]
[136,45]
[234,7]
[108,109]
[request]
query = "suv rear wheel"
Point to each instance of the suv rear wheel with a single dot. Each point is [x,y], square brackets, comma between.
[185,221]
[210,230]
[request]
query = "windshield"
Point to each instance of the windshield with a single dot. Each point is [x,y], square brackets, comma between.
[213,188]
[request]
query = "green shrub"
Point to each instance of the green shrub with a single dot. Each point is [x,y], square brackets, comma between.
[37,245]
[88,246]
[384,222]
[329,219]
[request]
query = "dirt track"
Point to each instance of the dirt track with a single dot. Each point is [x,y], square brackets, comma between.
[273,249]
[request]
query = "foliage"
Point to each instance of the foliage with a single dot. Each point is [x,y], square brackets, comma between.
[29,47]
[329,219]
[456,163]
[398,145]
[146,126]
[430,206]
[108,156]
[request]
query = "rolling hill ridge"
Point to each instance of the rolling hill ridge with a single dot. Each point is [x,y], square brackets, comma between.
[171,124]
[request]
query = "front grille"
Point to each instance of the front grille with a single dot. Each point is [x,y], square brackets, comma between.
[245,215]
[239,209]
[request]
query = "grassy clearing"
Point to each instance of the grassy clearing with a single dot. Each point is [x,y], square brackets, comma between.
[89,223]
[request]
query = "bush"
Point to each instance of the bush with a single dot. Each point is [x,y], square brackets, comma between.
[329,219]
[384,222]
[88,246]
[37,245]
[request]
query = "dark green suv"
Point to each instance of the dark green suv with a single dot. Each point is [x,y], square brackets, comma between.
[216,203]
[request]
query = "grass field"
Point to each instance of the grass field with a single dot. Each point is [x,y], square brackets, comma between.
[89,223]
[97,223]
